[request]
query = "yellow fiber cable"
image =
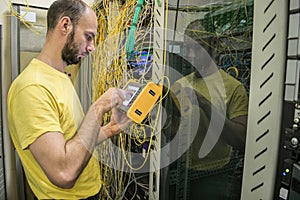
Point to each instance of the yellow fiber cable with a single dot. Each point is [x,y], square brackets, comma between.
[29,25]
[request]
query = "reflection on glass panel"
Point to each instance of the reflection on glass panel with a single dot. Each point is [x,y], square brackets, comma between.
[209,58]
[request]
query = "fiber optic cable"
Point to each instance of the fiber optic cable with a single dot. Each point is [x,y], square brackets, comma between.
[130,40]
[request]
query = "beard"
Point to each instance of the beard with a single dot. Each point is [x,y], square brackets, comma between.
[70,51]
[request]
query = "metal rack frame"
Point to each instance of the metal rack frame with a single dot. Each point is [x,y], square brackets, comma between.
[266,95]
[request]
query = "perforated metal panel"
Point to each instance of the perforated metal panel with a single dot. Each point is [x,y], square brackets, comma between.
[266,95]
[157,74]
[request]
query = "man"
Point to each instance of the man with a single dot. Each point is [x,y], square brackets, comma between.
[53,138]
[223,107]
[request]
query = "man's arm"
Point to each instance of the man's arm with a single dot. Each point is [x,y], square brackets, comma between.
[234,130]
[63,161]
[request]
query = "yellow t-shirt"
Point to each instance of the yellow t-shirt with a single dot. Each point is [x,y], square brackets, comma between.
[229,96]
[40,100]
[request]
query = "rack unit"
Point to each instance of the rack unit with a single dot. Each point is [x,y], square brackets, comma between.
[288,177]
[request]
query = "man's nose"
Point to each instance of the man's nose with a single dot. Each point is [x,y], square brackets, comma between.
[90,48]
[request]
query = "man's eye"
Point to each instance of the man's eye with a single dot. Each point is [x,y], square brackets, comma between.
[89,38]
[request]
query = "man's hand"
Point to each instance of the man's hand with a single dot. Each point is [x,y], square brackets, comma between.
[113,97]
[118,122]
[112,101]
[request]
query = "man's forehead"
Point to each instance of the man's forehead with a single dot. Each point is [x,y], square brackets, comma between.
[88,20]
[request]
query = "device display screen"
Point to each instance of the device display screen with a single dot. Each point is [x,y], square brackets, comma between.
[132,90]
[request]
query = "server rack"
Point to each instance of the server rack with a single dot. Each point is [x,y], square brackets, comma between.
[266,94]
[176,179]
[287,177]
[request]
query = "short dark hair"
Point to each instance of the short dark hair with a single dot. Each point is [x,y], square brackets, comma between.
[60,8]
[197,32]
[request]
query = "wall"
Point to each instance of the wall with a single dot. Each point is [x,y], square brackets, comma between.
[9,155]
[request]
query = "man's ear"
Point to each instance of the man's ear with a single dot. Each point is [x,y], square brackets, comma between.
[65,24]
[214,47]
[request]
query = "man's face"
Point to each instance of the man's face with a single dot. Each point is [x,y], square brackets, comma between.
[199,53]
[193,52]
[80,41]
[71,50]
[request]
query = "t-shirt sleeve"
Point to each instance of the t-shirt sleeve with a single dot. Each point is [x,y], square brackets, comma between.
[238,104]
[35,111]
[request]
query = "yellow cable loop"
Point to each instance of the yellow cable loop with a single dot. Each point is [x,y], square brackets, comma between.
[232,68]
[29,25]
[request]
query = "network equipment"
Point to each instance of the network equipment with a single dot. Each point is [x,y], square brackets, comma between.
[288,173]
[140,99]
